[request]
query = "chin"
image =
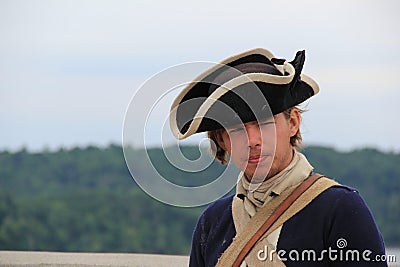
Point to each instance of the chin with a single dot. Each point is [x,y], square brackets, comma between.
[258,175]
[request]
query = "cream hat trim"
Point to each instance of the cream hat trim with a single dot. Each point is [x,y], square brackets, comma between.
[310,81]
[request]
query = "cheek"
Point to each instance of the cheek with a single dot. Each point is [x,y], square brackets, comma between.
[234,142]
[269,136]
[283,132]
[237,149]
[235,146]
[282,142]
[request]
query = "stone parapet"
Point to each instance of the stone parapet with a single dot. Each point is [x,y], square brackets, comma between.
[64,259]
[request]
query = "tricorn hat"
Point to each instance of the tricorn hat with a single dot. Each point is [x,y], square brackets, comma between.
[249,86]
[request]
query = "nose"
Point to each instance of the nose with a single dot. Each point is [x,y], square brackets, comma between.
[253,136]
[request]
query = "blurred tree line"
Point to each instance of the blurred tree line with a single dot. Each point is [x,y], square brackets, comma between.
[84,199]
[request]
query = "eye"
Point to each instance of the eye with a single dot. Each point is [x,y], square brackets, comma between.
[267,123]
[266,126]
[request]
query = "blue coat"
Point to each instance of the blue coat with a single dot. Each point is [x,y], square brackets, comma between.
[339,214]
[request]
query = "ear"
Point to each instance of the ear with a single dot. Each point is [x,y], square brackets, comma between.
[294,121]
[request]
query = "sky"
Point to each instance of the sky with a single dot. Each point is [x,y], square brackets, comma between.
[70,69]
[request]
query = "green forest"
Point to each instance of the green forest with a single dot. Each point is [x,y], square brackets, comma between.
[84,199]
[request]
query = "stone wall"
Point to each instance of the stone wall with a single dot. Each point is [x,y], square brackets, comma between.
[63,259]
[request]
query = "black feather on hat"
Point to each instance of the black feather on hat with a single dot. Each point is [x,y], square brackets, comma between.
[250,86]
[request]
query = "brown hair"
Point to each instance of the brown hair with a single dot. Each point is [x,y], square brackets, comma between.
[222,155]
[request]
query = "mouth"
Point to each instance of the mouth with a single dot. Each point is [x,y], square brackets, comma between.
[255,159]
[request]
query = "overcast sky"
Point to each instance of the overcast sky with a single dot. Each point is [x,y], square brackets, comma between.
[68,69]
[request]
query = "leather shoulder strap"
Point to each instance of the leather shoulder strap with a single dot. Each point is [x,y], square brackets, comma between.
[266,217]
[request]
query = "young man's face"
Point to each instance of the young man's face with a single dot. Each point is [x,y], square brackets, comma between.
[262,149]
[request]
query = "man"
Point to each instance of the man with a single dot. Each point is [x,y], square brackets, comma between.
[283,214]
